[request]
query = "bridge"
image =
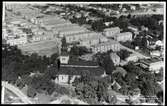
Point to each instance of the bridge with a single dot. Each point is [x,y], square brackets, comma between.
[15,90]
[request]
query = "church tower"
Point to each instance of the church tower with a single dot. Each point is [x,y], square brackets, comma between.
[64,57]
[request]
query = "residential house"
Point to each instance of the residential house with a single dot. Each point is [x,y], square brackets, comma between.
[111,32]
[133,57]
[152,64]
[155,53]
[106,46]
[123,37]
[115,58]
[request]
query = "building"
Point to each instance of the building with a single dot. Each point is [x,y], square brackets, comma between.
[115,58]
[133,57]
[152,64]
[110,32]
[155,53]
[81,36]
[73,30]
[88,42]
[123,37]
[42,35]
[133,28]
[106,46]
[87,57]
[17,41]
[67,74]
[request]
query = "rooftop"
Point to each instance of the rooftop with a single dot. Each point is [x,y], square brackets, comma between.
[151,60]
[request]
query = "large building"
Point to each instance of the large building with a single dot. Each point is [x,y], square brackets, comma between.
[106,46]
[153,64]
[90,41]
[123,37]
[17,41]
[111,32]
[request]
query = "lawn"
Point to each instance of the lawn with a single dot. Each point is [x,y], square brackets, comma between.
[47,47]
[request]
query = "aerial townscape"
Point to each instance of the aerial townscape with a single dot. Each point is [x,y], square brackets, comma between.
[83,53]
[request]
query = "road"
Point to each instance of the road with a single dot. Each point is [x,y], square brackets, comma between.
[16,91]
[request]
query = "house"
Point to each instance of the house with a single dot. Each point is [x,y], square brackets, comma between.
[115,58]
[123,37]
[159,43]
[133,28]
[133,57]
[106,46]
[87,57]
[152,64]
[110,32]
[155,53]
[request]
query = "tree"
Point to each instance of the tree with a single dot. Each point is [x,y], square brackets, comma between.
[31,92]
[53,58]
[108,65]
[98,26]
[123,54]
[78,51]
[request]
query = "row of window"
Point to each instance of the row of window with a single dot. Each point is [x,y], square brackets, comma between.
[107,48]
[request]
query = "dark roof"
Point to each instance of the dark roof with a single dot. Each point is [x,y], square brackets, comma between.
[81,62]
[80,70]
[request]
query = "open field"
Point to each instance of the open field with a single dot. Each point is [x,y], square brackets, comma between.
[47,47]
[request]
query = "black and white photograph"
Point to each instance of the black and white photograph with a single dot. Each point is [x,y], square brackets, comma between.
[83,53]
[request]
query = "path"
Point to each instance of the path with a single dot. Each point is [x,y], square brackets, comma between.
[16,91]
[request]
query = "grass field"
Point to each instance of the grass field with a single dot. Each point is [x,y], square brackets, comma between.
[42,48]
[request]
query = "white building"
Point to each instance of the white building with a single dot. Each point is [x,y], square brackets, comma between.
[153,64]
[123,37]
[88,42]
[133,57]
[18,41]
[106,46]
[155,53]
[64,59]
[115,58]
[110,32]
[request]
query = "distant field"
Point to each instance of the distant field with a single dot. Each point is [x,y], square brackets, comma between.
[42,48]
